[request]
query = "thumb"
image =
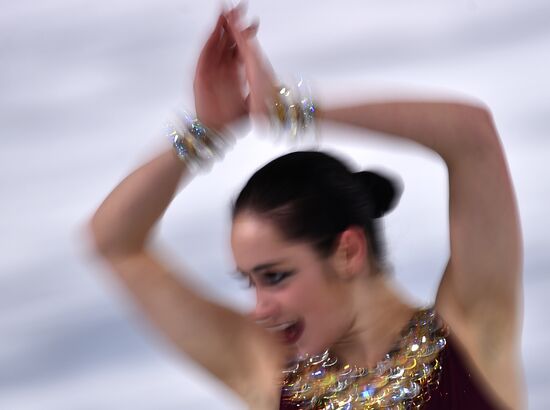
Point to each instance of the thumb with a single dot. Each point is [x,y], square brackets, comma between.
[251,30]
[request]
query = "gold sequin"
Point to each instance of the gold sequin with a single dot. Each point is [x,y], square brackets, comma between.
[402,380]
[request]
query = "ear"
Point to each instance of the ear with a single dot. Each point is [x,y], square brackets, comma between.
[351,253]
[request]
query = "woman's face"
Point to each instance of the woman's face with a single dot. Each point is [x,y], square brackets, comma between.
[299,296]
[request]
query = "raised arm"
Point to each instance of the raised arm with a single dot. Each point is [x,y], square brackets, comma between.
[480,294]
[230,346]
[483,275]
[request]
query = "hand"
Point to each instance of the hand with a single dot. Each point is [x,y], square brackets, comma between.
[218,85]
[259,74]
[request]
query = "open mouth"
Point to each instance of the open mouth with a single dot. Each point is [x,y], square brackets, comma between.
[290,332]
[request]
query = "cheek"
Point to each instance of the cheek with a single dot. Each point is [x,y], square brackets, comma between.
[315,293]
[322,306]
[305,294]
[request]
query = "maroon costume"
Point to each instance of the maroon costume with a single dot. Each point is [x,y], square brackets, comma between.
[454,389]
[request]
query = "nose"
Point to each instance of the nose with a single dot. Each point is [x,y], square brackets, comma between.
[266,309]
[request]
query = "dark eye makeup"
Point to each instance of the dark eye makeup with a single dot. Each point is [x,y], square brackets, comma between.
[274,278]
[269,278]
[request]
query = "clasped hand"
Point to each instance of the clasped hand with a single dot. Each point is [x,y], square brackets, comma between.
[231,62]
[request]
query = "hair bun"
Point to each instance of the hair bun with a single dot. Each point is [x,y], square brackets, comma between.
[383,190]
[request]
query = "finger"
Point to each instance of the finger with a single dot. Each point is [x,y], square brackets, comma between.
[240,8]
[231,50]
[230,45]
[241,34]
[215,36]
[234,28]
[225,40]
[238,12]
[210,48]
[223,49]
[251,30]
[234,16]
[248,33]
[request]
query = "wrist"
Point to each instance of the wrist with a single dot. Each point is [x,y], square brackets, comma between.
[292,111]
[212,124]
[195,143]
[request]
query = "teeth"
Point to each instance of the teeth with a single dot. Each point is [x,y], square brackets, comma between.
[280,327]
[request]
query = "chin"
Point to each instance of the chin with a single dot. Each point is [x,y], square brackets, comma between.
[312,349]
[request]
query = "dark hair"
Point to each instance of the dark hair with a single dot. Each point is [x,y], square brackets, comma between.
[312,196]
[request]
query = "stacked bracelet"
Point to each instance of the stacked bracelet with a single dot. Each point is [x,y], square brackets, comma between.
[293,111]
[194,144]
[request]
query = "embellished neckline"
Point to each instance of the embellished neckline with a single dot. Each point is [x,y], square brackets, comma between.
[402,378]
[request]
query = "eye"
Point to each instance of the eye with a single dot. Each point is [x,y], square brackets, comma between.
[274,278]
[248,282]
[245,279]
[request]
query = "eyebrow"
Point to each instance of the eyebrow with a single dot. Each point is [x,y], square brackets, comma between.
[261,267]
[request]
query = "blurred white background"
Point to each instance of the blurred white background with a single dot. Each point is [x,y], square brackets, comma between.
[85,87]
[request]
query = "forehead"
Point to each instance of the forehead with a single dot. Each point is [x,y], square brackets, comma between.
[256,240]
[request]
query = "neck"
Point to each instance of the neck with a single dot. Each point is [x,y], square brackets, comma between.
[380,315]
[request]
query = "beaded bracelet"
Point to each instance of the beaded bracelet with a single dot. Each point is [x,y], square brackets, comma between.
[195,144]
[293,111]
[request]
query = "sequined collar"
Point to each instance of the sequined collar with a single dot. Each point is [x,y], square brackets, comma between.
[402,380]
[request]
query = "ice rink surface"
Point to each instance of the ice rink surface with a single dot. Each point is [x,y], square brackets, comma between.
[85,87]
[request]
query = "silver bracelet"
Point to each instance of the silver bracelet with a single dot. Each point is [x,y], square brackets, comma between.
[292,112]
[195,144]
